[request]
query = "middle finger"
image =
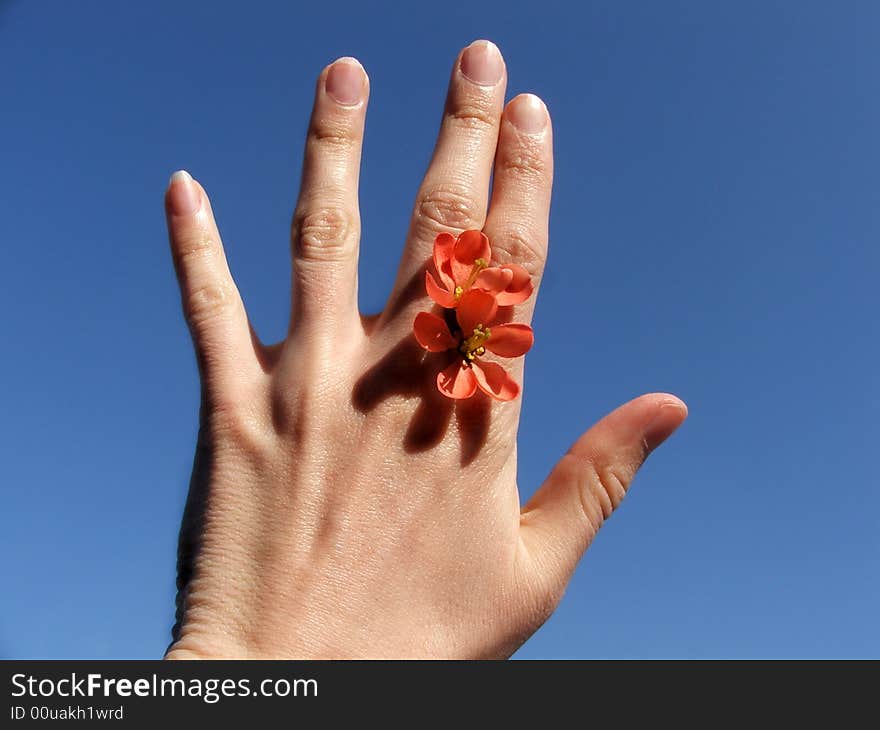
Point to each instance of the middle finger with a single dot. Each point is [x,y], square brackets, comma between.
[453,196]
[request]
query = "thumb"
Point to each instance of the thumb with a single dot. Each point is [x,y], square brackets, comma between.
[589,482]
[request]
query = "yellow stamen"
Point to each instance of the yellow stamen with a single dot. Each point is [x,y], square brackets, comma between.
[472,347]
[479,265]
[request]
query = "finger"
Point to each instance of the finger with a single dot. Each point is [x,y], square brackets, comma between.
[326,223]
[589,482]
[211,302]
[519,213]
[454,193]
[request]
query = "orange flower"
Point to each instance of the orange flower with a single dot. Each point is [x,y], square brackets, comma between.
[463,264]
[470,330]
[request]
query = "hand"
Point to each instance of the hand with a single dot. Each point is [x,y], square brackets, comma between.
[341,506]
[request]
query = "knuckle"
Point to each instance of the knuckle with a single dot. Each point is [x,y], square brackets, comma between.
[601,488]
[323,233]
[576,471]
[471,114]
[448,206]
[208,302]
[521,246]
[523,159]
[332,133]
[193,249]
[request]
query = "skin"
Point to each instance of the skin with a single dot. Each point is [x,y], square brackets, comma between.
[340,506]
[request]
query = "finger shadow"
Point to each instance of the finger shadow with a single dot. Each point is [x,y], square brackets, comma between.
[472,419]
[406,370]
[409,371]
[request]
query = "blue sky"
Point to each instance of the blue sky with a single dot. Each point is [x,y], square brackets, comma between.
[715,225]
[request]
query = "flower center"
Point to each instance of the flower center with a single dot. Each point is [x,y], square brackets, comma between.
[479,265]
[472,347]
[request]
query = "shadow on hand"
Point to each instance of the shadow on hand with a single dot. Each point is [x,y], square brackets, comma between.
[409,371]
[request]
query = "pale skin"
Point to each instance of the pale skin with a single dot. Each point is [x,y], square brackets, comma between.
[340,506]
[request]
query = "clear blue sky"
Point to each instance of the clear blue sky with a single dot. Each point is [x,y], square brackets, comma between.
[715,225]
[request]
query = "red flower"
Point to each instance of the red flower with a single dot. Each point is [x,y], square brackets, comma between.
[463,264]
[475,333]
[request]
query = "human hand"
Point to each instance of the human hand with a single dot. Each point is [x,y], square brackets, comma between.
[341,506]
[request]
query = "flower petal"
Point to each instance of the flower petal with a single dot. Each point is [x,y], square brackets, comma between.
[469,246]
[475,307]
[493,380]
[444,245]
[440,295]
[494,280]
[457,381]
[432,333]
[519,289]
[510,340]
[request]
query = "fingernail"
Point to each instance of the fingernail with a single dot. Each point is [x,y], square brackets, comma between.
[183,196]
[669,417]
[528,114]
[345,82]
[481,63]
